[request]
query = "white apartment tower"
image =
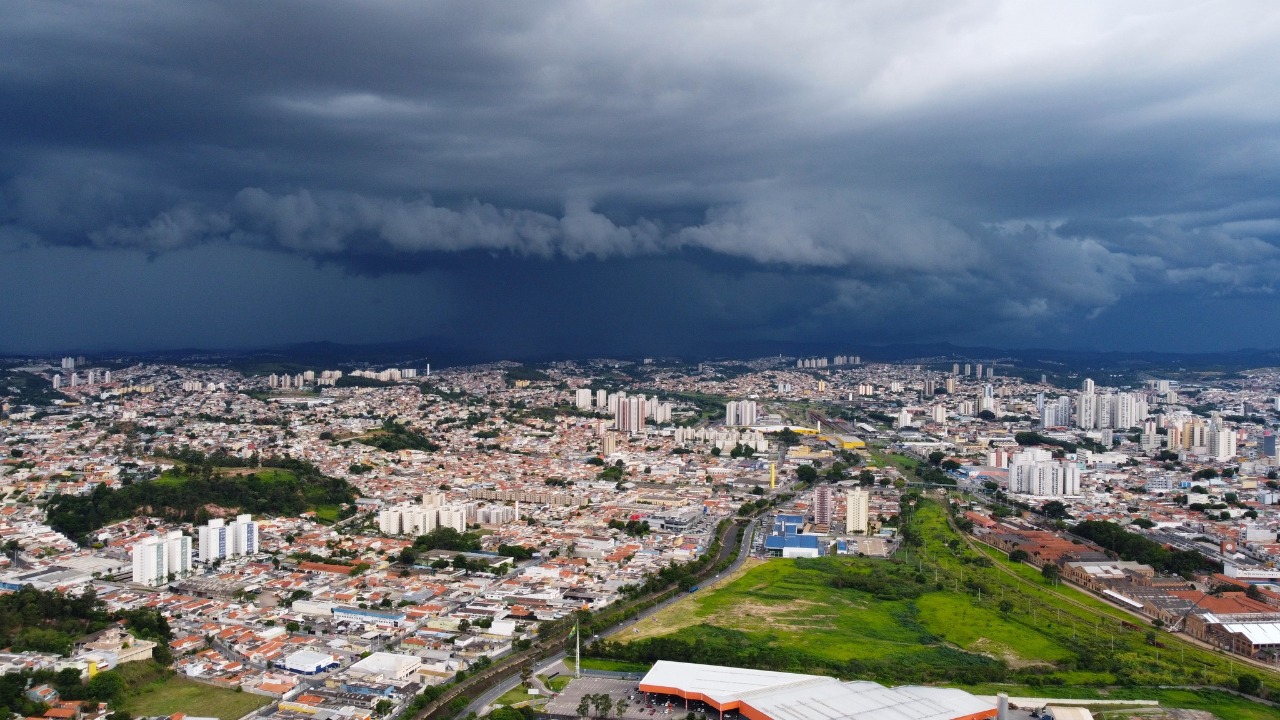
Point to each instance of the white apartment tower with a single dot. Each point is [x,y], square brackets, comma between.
[740,412]
[218,540]
[1034,472]
[858,511]
[409,519]
[1222,442]
[453,516]
[156,559]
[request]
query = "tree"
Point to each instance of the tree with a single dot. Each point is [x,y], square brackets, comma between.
[1253,593]
[1051,573]
[1019,556]
[603,703]
[584,706]
[620,707]
[806,474]
[408,556]
[1006,606]
[383,707]
[936,457]
[106,686]
[1248,684]
[1055,509]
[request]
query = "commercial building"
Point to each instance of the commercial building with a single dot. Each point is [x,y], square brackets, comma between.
[389,666]
[309,662]
[766,695]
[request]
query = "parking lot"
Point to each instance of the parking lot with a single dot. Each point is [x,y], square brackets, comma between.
[640,705]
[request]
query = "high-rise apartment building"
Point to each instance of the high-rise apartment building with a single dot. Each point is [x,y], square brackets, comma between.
[823,505]
[1033,471]
[1222,442]
[218,540]
[420,519]
[582,398]
[157,560]
[858,511]
[740,412]
[630,415]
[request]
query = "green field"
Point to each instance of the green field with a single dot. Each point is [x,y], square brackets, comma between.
[177,694]
[939,612]
[878,456]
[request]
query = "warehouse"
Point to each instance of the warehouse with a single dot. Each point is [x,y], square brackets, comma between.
[310,662]
[767,695]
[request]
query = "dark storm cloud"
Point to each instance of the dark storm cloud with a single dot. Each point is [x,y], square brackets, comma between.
[874,170]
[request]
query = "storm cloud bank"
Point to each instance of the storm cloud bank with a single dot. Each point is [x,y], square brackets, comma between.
[879,171]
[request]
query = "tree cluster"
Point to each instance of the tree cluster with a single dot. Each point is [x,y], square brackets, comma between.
[181,495]
[1130,546]
[395,437]
[637,528]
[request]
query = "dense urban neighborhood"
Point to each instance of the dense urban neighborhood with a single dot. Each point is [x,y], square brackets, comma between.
[355,542]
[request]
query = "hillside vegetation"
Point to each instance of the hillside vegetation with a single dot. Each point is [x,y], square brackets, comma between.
[185,494]
[939,612]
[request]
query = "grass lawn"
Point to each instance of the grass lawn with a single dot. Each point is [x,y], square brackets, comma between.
[783,605]
[558,682]
[327,514]
[878,456]
[177,694]
[517,694]
[983,628]
[941,612]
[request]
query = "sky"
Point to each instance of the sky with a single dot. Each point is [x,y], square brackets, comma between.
[572,178]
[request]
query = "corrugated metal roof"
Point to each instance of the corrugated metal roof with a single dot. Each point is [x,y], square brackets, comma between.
[790,696]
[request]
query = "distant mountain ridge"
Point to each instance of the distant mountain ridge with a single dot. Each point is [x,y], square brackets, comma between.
[441,353]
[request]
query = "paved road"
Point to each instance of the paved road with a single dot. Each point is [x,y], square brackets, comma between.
[744,552]
[483,703]
[508,666]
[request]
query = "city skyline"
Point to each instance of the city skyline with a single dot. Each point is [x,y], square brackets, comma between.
[566,179]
